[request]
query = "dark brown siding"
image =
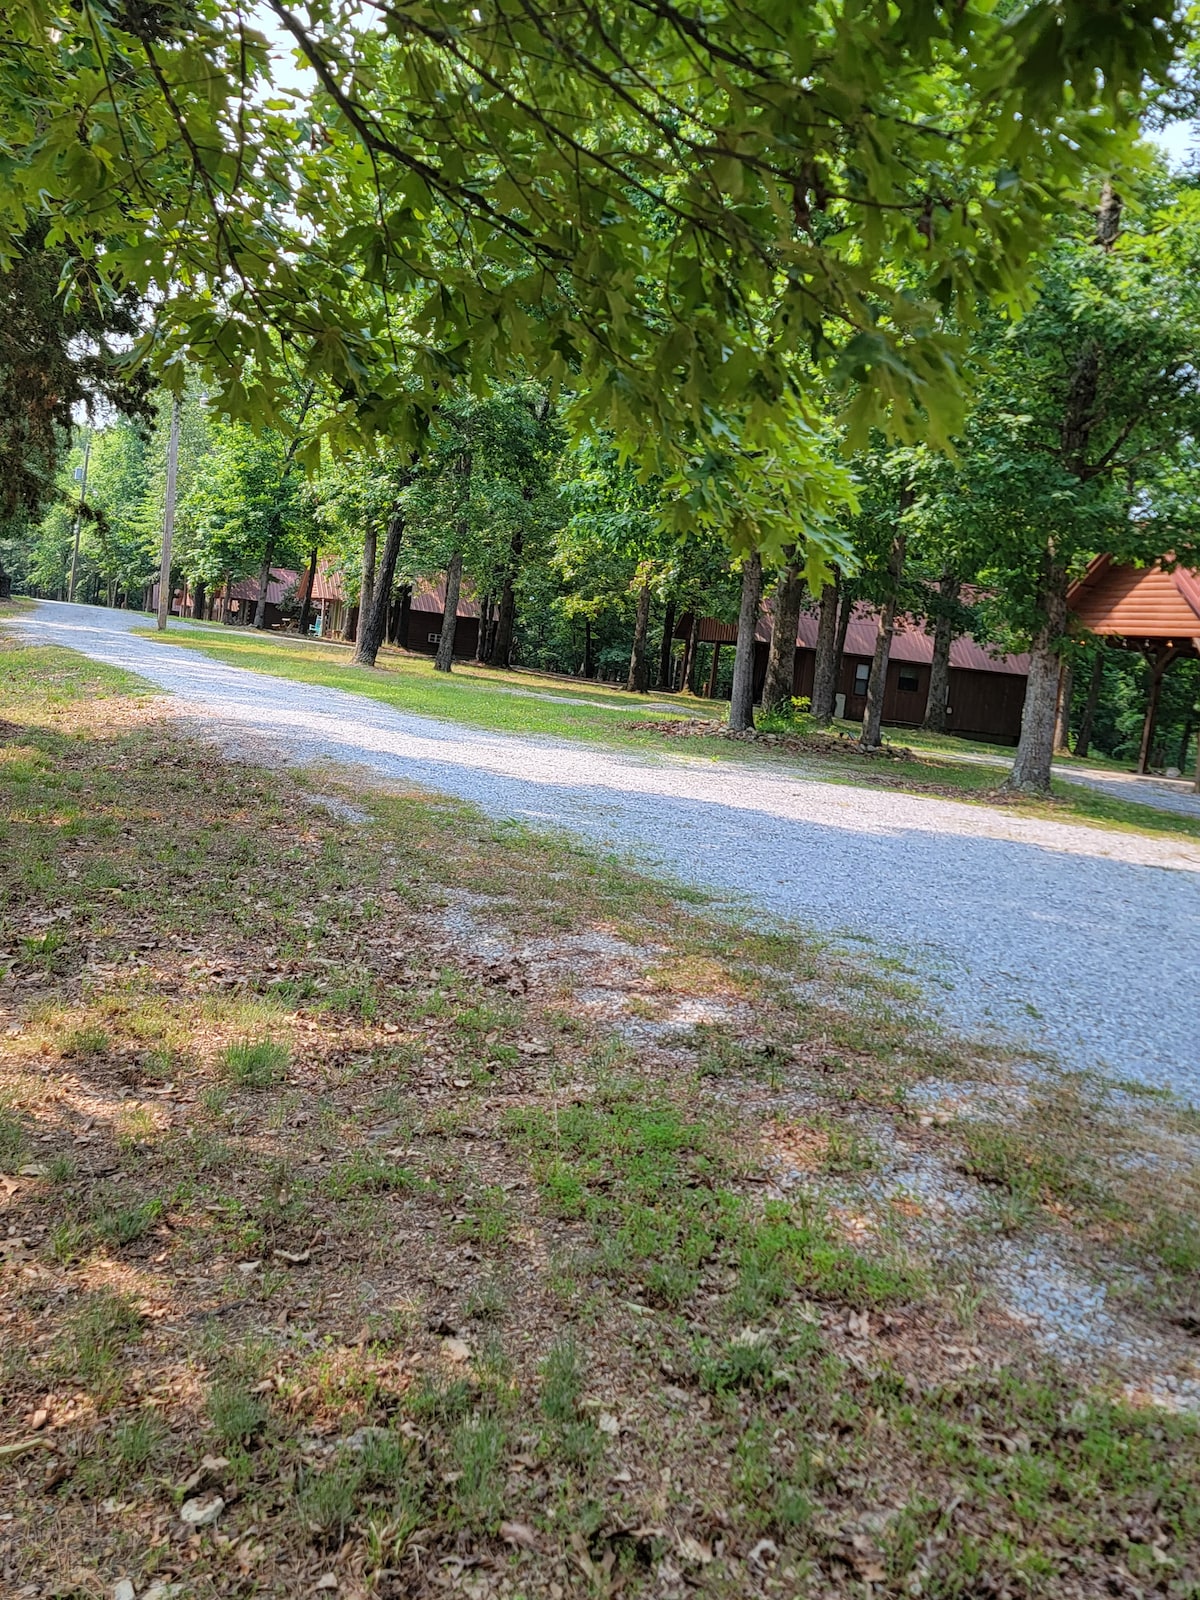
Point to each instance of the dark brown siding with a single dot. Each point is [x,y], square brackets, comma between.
[987,704]
[424,629]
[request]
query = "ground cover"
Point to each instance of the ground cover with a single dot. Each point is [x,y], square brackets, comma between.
[526,704]
[398,1203]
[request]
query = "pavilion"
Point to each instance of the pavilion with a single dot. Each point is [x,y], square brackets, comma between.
[1151,609]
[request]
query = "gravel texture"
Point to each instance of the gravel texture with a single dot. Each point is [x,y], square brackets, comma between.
[1077,940]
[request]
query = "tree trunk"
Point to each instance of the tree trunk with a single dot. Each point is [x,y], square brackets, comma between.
[639,676]
[845,613]
[1062,719]
[198,601]
[588,663]
[444,659]
[1095,683]
[306,604]
[826,663]
[691,660]
[264,578]
[785,621]
[1035,752]
[403,615]
[741,700]
[668,639]
[714,667]
[368,581]
[372,635]
[877,683]
[481,639]
[943,638]
[506,617]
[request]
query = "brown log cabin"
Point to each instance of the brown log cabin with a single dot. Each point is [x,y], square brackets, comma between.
[987,692]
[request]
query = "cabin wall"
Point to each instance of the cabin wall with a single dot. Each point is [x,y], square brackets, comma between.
[425,629]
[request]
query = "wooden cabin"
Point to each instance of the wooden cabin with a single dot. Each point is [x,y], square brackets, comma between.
[987,692]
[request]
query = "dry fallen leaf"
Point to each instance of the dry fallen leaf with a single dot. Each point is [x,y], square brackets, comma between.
[9,1451]
[457,1349]
[294,1258]
[693,1551]
[607,1423]
[327,1580]
[209,1467]
[518,1533]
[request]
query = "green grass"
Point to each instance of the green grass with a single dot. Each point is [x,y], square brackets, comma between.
[255,1063]
[483,697]
[519,703]
[401,1306]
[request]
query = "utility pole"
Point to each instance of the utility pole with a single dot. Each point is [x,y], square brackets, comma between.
[81,473]
[164,577]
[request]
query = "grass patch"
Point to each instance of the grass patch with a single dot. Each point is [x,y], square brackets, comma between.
[308,1287]
[255,1063]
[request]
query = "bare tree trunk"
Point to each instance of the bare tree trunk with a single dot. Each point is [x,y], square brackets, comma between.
[943,637]
[481,638]
[264,578]
[198,600]
[368,581]
[668,640]
[826,662]
[691,659]
[1035,752]
[638,681]
[506,616]
[785,621]
[587,647]
[443,661]
[877,683]
[714,667]
[845,613]
[309,585]
[1095,683]
[1062,719]
[372,635]
[741,700]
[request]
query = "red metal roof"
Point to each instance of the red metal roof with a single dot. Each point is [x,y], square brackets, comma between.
[429,595]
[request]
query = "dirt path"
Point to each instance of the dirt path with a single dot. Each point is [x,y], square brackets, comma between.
[1079,940]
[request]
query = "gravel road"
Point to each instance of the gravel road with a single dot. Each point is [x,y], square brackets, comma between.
[1078,940]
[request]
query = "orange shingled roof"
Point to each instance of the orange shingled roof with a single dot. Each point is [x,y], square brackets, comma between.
[1137,602]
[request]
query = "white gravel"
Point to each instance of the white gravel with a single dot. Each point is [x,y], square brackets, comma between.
[1078,940]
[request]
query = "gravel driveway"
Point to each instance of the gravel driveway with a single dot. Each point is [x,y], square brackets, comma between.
[1078,940]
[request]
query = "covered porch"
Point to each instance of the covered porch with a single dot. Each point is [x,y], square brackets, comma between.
[1153,610]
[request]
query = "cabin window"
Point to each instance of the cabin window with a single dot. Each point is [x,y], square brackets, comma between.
[434,638]
[862,677]
[909,682]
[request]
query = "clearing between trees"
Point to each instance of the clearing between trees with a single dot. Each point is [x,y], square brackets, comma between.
[530,703]
[399,1203]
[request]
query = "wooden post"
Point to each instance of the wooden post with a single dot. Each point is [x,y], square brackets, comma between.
[1159,665]
[164,576]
